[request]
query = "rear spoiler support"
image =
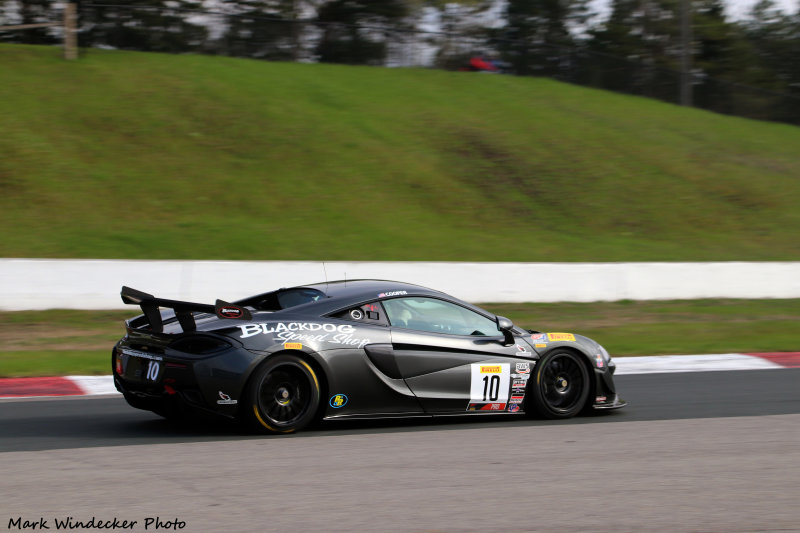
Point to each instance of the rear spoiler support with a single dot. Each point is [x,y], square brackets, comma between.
[183,310]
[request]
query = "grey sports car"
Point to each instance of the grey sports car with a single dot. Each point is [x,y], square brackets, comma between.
[351,349]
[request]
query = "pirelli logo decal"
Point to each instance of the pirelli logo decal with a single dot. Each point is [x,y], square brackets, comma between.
[493,369]
[553,337]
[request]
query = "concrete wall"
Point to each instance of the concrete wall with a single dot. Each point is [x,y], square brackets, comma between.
[95,284]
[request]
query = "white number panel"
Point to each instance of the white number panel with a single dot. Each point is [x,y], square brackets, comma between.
[489,387]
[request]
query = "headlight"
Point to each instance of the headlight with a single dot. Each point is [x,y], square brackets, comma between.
[604,353]
[602,359]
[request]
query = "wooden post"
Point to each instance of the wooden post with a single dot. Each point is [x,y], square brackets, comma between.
[686,53]
[70,39]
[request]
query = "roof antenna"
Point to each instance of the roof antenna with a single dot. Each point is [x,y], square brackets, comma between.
[325,270]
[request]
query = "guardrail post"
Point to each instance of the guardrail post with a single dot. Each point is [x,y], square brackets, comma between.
[70,38]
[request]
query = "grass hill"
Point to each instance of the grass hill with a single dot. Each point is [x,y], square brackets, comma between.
[134,155]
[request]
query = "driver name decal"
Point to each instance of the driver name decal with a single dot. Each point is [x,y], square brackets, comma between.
[392,293]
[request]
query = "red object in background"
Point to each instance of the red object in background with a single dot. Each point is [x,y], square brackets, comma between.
[478,63]
[18,387]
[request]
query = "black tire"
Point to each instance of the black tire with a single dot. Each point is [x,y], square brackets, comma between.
[560,385]
[283,395]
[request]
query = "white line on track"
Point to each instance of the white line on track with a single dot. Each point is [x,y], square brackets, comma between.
[661,364]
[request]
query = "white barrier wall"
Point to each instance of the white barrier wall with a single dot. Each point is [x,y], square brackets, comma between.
[95,284]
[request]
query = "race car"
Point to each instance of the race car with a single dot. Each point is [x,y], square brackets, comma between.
[351,349]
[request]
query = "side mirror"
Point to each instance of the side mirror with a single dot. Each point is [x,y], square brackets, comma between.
[505,325]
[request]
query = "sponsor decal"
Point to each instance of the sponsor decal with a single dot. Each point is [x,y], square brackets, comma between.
[293,346]
[494,369]
[224,399]
[539,337]
[516,399]
[567,337]
[338,401]
[392,293]
[230,311]
[296,332]
[541,346]
[599,399]
[523,368]
[518,384]
[513,408]
[482,406]
[522,351]
[599,360]
[137,353]
[356,314]
[248,330]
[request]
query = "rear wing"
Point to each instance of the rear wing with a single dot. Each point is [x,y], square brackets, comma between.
[183,310]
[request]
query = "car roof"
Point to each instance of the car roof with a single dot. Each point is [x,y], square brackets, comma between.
[359,289]
[340,294]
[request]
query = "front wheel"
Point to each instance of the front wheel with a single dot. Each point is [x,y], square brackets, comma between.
[560,385]
[282,396]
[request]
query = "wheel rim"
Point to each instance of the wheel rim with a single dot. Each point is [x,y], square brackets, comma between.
[284,395]
[563,382]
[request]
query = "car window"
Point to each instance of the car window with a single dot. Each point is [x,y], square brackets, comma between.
[283,299]
[371,313]
[294,297]
[430,314]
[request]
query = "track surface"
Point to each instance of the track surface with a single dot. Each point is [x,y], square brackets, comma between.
[713,451]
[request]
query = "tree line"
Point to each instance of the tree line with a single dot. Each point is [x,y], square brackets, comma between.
[683,51]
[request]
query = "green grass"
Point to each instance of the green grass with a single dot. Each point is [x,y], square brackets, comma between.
[150,156]
[134,155]
[39,343]
[670,327]
[55,363]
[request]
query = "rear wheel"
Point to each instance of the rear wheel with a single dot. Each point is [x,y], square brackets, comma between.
[283,395]
[560,385]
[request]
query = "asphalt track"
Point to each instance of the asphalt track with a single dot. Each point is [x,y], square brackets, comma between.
[706,452]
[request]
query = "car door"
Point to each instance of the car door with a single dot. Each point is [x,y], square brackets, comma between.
[454,359]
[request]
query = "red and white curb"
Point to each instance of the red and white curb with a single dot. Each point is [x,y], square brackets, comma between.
[57,386]
[659,364]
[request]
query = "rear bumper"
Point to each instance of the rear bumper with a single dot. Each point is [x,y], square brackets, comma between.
[166,401]
[183,383]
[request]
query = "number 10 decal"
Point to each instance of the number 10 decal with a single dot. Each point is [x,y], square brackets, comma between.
[493,386]
[152,370]
[489,386]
